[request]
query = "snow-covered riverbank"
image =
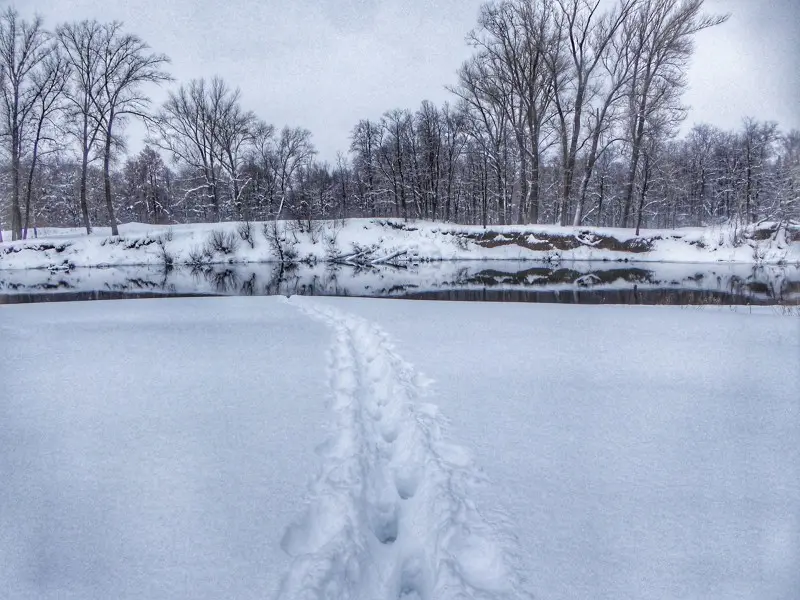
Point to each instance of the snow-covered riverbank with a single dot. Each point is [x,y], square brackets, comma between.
[381,241]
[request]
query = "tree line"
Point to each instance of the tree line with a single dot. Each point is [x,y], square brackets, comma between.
[567,112]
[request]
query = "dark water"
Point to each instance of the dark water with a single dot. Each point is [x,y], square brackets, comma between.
[484,281]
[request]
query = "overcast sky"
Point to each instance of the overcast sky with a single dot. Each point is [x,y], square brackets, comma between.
[325,64]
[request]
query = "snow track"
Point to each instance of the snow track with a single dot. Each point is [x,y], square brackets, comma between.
[389,514]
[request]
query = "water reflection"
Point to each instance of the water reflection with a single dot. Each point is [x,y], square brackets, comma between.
[574,282]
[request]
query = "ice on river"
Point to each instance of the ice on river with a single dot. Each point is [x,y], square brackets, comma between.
[341,448]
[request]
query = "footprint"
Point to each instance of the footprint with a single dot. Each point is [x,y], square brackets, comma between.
[408,463]
[389,430]
[408,593]
[385,523]
[412,580]
[407,482]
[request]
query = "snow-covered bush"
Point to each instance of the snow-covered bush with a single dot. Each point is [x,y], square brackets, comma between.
[246,233]
[283,247]
[167,258]
[222,242]
[198,257]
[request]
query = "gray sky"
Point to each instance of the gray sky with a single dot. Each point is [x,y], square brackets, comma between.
[326,64]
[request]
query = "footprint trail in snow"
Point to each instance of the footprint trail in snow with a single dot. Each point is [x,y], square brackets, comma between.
[389,514]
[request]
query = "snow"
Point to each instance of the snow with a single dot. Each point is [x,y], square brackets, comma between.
[642,452]
[391,512]
[386,240]
[153,449]
[184,448]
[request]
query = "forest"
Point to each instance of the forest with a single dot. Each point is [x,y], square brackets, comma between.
[567,112]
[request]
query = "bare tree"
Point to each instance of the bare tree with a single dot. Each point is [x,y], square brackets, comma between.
[364,144]
[49,83]
[23,47]
[147,188]
[293,151]
[262,159]
[604,113]
[788,205]
[758,141]
[489,123]
[394,134]
[454,134]
[585,35]
[192,126]
[235,133]
[513,40]
[81,43]
[342,176]
[429,160]
[659,37]
[125,64]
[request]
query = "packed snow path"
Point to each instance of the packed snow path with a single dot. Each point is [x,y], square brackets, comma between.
[390,514]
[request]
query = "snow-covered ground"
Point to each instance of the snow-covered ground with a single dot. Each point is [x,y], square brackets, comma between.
[197,448]
[378,241]
[154,449]
[642,452]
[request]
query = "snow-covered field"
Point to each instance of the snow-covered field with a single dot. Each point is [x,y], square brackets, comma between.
[378,241]
[198,448]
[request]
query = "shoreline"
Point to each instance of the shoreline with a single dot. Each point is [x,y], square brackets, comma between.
[374,242]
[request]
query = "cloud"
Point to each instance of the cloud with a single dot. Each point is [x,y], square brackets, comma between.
[746,67]
[325,64]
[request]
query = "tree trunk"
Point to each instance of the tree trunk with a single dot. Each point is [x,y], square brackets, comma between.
[449,193]
[748,190]
[644,192]
[16,215]
[629,183]
[561,204]
[572,156]
[600,200]
[344,197]
[107,179]
[501,192]
[84,203]
[533,204]
[524,188]
[29,191]
[638,135]
[576,222]
[587,176]
[236,199]
[211,187]
[485,195]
